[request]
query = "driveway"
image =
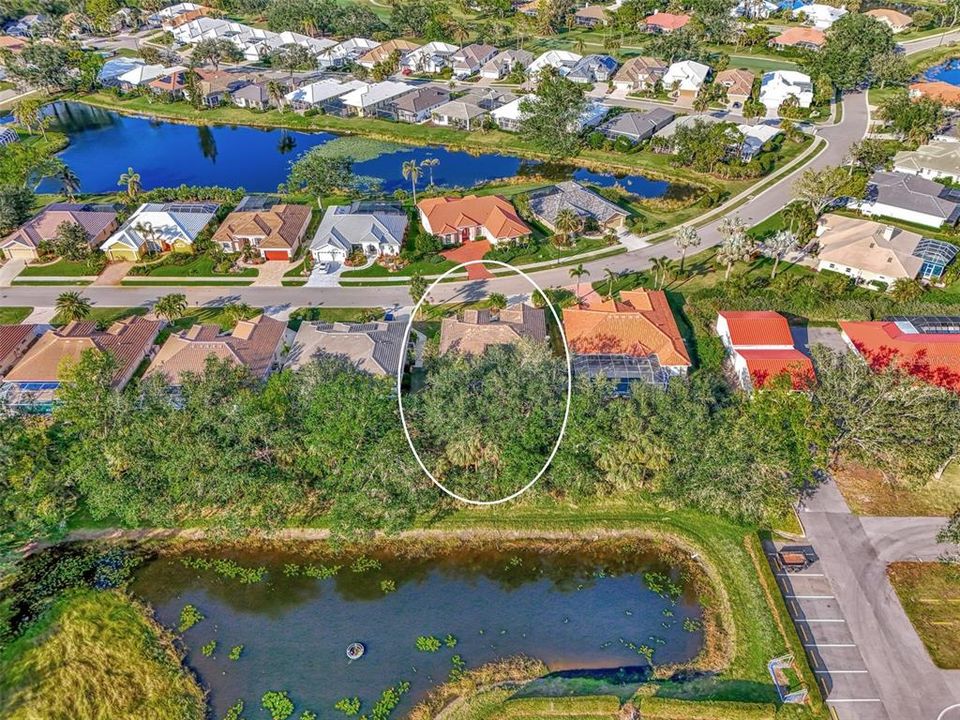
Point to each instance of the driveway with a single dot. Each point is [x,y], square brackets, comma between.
[474,250]
[9,270]
[113,273]
[271,273]
[325,279]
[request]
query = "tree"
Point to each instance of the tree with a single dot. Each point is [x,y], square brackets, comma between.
[854,43]
[237,311]
[906,290]
[819,188]
[418,289]
[891,69]
[430,164]
[28,113]
[611,277]
[71,305]
[170,307]
[913,120]
[292,57]
[496,302]
[950,533]
[777,246]
[869,154]
[702,146]
[72,241]
[578,273]
[411,170]
[15,205]
[277,93]
[69,181]
[131,180]
[551,118]
[216,51]
[661,269]
[682,44]
[701,103]
[567,223]
[737,245]
[687,237]
[319,174]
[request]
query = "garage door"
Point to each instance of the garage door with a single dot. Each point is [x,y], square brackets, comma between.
[276,254]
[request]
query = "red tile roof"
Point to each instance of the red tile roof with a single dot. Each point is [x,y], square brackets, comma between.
[449,215]
[765,365]
[800,36]
[762,327]
[667,21]
[12,338]
[640,323]
[932,356]
[938,90]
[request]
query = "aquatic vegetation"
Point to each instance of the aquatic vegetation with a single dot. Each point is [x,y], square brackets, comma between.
[458,668]
[308,715]
[358,149]
[514,561]
[644,650]
[363,563]
[226,568]
[235,711]
[663,586]
[291,570]
[389,699]
[321,572]
[209,649]
[388,586]
[691,625]
[189,617]
[428,643]
[348,706]
[450,641]
[277,704]
[235,652]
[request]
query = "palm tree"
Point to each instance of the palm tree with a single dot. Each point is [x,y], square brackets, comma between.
[661,267]
[430,164]
[131,179]
[149,234]
[686,237]
[276,91]
[611,278]
[497,302]
[459,32]
[779,245]
[567,223]
[578,272]
[412,170]
[69,181]
[171,307]
[701,102]
[795,213]
[72,305]
[237,311]
[737,246]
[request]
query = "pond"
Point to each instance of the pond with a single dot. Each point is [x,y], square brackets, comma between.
[103,144]
[948,72]
[583,606]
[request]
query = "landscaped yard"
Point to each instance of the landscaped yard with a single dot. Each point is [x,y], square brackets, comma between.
[176,265]
[930,595]
[13,315]
[334,314]
[105,315]
[60,268]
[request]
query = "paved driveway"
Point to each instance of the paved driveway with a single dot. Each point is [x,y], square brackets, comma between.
[474,250]
[9,270]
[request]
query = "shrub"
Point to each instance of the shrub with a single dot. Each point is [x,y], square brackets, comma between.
[209,649]
[428,643]
[348,706]
[235,652]
[189,617]
[277,704]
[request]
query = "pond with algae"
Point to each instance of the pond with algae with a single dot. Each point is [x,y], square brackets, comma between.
[419,615]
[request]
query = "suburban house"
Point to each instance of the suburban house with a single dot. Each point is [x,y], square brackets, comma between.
[459,220]
[374,347]
[803,38]
[254,95]
[113,69]
[273,230]
[473,331]
[685,78]
[754,10]
[8,136]
[15,340]
[504,63]
[821,16]
[256,344]
[23,243]
[755,137]
[873,252]
[374,100]
[173,84]
[322,95]
[930,341]
[371,228]
[529,8]
[738,84]
[345,53]
[428,59]
[34,379]
[382,53]
[417,106]
[460,114]
[593,69]
[934,160]
[140,74]
[159,227]
[510,117]
[632,339]
[761,348]
[591,16]
[937,90]
[216,86]
[562,61]
[489,98]
[468,60]
[893,19]
[911,198]
[949,132]
[547,202]
[664,22]
[777,86]
[639,74]
[670,129]
[637,126]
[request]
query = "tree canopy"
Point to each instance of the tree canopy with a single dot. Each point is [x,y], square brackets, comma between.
[551,116]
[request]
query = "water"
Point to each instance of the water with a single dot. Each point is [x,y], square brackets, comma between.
[103,144]
[570,609]
[948,72]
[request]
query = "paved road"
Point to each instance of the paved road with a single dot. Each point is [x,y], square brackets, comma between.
[869,659]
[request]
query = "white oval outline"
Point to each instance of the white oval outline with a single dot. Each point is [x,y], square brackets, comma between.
[566,412]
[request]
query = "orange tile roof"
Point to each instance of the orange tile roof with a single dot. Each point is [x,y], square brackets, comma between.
[495,214]
[938,90]
[13,44]
[878,340]
[639,323]
[184,18]
[894,17]
[279,227]
[765,365]
[172,82]
[800,35]
[667,21]
[762,327]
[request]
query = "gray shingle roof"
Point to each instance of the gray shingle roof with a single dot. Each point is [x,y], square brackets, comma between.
[911,192]
[375,347]
[639,125]
[572,195]
[346,226]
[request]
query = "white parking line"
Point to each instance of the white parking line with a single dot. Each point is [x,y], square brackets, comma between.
[826,645]
[821,620]
[800,574]
[810,597]
[841,672]
[852,700]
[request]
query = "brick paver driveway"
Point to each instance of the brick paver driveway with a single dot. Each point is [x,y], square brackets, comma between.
[474,250]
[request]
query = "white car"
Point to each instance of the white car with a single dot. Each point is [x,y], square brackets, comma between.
[323,267]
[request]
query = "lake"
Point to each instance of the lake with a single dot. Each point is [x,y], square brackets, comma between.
[948,72]
[585,606]
[103,144]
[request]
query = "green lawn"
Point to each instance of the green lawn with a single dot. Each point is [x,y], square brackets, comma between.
[105,315]
[333,314]
[63,268]
[195,266]
[435,265]
[930,595]
[13,315]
